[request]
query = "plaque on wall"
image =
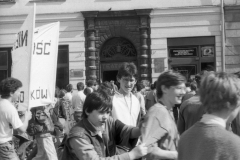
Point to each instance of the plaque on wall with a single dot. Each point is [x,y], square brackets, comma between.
[76,73]
[183,52]
[158,65]
[207,51]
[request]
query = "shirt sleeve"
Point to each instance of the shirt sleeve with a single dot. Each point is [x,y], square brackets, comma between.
[85,150]
[123,134]
[142,104]
[151,128]
[13,118]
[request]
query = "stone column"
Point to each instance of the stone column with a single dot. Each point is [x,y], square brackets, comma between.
[91,65]
[144,57]
[91,55]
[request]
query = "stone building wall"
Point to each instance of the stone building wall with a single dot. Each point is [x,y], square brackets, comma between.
[232,28]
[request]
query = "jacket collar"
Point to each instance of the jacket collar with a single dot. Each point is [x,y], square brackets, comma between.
[90,127]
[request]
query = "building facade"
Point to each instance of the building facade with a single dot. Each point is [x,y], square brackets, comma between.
[97,36]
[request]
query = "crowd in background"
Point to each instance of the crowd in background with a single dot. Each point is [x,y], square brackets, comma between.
[173,118]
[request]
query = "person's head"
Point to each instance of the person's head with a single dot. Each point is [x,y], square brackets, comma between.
[171,87]
[154,85]
[57,90]
[69,88]
[237,74]
[199,76]
[107,87]
[139,87]
[87,91]
[97,107]
[188,88]
[62,93]
[193,86]
[220,93]
[92,84]
[134,90]
[80,86]
[10,87]
[127,77]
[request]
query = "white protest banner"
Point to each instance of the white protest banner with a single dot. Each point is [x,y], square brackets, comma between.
[44,65]
[21,55]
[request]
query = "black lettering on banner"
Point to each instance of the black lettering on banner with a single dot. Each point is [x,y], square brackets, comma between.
[39,46]
[32,95]
[24,39]
[44,96]
[21,97]
[39,94]
[21,39]
[45,44]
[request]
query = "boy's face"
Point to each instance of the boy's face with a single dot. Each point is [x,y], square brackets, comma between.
[127,83]
[15,95]
[174,94]
[98,118]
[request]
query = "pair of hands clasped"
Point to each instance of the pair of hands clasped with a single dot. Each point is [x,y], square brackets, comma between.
[138,151]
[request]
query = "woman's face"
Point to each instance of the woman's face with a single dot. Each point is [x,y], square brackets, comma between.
[174,94]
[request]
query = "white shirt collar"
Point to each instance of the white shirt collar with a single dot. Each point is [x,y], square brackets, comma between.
[212,119]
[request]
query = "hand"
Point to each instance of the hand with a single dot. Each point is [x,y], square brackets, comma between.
[28,115]
[138,151]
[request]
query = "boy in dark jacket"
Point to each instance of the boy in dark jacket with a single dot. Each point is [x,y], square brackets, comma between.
[97,134]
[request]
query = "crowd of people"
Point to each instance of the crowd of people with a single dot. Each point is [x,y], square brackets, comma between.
[180,119]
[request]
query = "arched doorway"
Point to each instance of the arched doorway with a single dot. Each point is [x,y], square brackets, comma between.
[114,52]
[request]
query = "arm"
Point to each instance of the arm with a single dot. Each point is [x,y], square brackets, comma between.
[85,150]
[23,128]
[135,133]
[164,154]
[142,105]
[153,132]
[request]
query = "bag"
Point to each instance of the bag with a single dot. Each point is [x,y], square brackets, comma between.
[41,121]
[55,115]
[63,152]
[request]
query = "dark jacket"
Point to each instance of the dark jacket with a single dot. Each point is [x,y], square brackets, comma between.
[84,141]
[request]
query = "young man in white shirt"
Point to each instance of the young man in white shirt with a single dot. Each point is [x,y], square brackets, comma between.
[9,119]
[77,101]
[126,106]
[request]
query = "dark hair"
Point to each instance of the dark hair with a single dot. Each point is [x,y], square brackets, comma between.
[91,83]
[199,76]
[237,74]
[168,79]
[127,69]
[98,100]
[57,91]
[154,85]
[193,86]
[80,86]
[139,87]
[9,85]
[187,84]
[106,86]
[62,93]
[87,91]
[69,87]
